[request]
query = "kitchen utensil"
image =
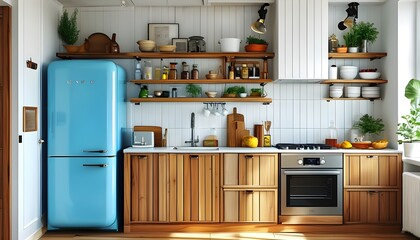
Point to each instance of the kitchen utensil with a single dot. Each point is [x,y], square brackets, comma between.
[232,118]
[165,138]
[259,133]
[206,110]
[157,132]
[98,43]
[267,126]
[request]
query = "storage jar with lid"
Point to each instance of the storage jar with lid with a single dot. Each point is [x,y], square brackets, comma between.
[147,73]
[196,44]
[172,71]
[195,72]
[185,74]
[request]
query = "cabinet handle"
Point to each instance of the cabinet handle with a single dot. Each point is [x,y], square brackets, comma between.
[369,156]
[371,192]
[249,191]
[194,156]
[142,157]
[95,165]
[249,156]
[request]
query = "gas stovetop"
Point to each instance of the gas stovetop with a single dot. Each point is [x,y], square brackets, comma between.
[303,146]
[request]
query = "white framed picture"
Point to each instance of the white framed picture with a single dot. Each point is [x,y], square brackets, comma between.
[163,33]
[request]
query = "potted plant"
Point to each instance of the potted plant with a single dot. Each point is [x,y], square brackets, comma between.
[256,44]
[366,32]
[67,30]
[368,125]
[410,129]
[234,91]
[193,90]
[352,40]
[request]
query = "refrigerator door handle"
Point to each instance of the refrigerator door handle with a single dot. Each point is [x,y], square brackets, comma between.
[95,151]
[95,165]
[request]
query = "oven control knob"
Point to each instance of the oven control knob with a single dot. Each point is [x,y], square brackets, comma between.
[322,162]
[300,161]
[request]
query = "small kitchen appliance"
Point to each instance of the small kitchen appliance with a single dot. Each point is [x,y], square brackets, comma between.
[143,139]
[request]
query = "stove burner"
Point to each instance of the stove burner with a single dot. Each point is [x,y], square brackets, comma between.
[306,146]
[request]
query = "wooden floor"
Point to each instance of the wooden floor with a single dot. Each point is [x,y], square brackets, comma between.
[247,232]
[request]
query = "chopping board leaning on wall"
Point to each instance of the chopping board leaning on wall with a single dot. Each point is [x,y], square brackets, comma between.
[235,129]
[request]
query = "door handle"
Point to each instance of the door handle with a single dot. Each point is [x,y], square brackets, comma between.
[95,165]
[41,141]
[95,151]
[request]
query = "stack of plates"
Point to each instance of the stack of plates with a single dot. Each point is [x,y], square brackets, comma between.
[336,91]
[370,92]
[352,92]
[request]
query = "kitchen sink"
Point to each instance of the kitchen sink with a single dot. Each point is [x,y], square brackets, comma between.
[183,148]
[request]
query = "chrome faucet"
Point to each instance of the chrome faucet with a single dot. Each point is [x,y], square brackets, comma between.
[192,140]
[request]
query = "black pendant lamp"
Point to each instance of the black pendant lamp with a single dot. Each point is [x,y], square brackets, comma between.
[352,14]
[259,26]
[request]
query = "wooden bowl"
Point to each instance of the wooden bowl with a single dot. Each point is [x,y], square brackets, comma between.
[361,145]
[379,145]
[167,48]
[146,45]
[342,49]
[211,76]
[211,94]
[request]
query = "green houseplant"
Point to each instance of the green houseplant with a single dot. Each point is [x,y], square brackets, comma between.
[256,44]
[67,28]
[234,91]
[193,90]
[366,32]
[352,40]
[409,130]
[369,125]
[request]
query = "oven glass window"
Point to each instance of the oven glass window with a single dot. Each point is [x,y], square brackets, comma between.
[312,191]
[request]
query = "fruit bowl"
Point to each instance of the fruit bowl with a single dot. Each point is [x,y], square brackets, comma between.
[369,75]
[380,144]
[361,145]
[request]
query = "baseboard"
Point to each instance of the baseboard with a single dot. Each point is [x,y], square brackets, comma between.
[38,234]
[311,219]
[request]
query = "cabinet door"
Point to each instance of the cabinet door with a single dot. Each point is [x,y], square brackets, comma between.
[193,188]
[251,170]
[145,187]
[372,171]
[362,206]
[302,39]
[250,205]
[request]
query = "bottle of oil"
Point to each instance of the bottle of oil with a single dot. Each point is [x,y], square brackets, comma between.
[195,72]
[185,74]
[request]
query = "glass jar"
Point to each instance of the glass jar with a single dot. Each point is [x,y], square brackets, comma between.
[172,71]
[244,71]
[194,72]
[185,74]
[147,73]
[231,72]
[157,73]
[165,73]
[196,44]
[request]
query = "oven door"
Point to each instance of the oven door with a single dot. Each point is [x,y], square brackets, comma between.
[311,192]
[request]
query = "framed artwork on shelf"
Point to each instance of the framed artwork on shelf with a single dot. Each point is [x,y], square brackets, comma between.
[163,33]
[181,44]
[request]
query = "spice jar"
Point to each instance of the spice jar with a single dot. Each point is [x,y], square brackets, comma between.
[185,74]
[172,71]
[194,72]
[165,73]
[231,72]
[147,73]
[244,71]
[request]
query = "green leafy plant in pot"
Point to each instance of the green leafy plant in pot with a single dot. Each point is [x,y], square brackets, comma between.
[193,90]
[368,125]
[366,32]
[68,31]
[409,130]
[234,91]
[352,40]
[256,44]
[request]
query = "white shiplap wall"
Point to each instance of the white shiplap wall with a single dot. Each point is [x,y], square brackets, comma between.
[298,111]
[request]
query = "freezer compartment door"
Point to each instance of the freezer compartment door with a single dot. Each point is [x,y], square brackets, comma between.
[82,109]
[82,193]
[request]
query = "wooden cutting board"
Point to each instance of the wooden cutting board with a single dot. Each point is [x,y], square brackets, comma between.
[157,132]
[232,127]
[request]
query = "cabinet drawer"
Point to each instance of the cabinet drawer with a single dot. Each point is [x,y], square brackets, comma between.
[372,171]
[250,170]
[249,205]
[372,206]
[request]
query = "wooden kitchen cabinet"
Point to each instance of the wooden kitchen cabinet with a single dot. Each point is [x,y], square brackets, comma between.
[249,188]
[372,188]
[170,188]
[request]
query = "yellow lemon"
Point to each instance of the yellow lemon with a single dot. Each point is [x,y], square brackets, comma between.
[346,144]
[250,141]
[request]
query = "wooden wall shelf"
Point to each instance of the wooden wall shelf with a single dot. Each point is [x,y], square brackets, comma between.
[367,55]
[203,81]
[350,99]
[157,55]
[349,81]
[185,99]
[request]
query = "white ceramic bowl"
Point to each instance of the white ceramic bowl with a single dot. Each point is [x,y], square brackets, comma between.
[336,94]
[369,75]
[352,91]
[146,45]
[348,67]
[348,75]
[211,94]
[242,95]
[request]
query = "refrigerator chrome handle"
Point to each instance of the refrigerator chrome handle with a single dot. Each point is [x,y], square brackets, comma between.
[95,165]
[95,151]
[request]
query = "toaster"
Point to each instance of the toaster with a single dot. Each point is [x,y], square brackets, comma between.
[143,139]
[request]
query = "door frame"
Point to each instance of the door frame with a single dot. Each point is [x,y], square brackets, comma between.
[5,79]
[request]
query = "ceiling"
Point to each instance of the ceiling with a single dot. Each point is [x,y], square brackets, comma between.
[129,3]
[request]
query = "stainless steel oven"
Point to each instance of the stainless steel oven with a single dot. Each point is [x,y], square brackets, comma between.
[311,184]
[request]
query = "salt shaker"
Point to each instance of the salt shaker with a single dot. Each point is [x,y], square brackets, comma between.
[332,73]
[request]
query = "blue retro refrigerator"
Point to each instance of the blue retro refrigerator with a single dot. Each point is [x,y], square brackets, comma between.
[86,115]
